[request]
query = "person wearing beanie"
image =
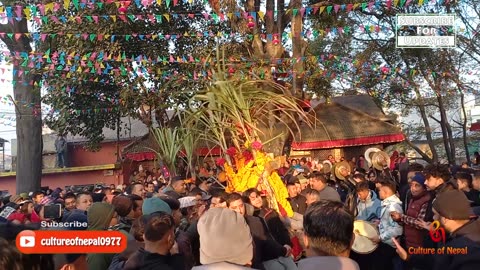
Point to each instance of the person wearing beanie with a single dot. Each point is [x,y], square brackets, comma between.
[161,250]
[416,210]
[452,210]
[219,247]
[100,217]
[155,204]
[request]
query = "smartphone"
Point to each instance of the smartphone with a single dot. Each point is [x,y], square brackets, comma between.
[52,211]
[300,170]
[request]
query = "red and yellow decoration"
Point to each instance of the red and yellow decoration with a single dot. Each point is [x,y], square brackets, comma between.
[253,168]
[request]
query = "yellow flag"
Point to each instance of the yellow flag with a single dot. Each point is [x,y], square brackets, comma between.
[420,2]
[114,18]
[48,7]
[321,10]
[395,3]
[28,13]
[159,2]
[261,14]
[66,4]
[167,16]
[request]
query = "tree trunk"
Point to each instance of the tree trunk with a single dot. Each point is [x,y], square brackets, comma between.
[428,128]
[29,134]
[464,128]
[28,118]
[447,134]
[298,49]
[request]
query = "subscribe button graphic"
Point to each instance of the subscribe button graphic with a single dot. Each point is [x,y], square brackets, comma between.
[51,242]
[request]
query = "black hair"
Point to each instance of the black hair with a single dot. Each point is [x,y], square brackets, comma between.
[438,171]
[465,177]
[129,188]
[157,226]
[320,176]
[362,186]
[415,167]
[84,193]
[200,180]
[135,198]
[172,202]
[249,191]
[360,176]
[234,197]
[313,192]
[220,194]
[389,184]
[323,238]
[36,193]
[70,195]
[138,227]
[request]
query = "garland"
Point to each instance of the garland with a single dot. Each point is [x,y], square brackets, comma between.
[252,169]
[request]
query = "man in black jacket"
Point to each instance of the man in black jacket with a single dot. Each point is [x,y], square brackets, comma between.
[461,250]
[266,248]
[161,251]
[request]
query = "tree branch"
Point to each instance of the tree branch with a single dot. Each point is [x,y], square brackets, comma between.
[418,150]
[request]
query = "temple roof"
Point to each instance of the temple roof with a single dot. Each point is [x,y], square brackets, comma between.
[336,125]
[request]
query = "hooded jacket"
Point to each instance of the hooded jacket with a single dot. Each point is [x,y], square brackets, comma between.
[388,227]
[99,216]
[370,208]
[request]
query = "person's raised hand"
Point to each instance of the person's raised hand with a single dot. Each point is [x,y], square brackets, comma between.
[395,215]
[423,224]
[402,253]
[289,250]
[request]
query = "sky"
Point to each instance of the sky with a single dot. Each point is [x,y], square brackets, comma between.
[7,110]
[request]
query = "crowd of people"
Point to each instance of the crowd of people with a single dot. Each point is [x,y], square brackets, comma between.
[171,223]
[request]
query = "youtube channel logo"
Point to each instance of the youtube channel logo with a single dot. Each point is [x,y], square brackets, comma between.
[25,239]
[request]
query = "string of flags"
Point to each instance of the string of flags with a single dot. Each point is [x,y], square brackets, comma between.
[347,30]
[39,12]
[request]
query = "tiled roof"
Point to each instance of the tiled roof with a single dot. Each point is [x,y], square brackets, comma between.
[143,144]
[335,122]
[362,103]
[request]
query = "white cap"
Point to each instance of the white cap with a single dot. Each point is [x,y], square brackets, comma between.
[187,201]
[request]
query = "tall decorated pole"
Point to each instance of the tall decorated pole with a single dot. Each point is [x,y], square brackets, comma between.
[231,114]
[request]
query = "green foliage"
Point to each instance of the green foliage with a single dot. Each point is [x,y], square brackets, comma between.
[144,89]
[234,112]
[170,142]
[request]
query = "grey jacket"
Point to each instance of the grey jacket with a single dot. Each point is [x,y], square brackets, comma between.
[221,266]
[328,263]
